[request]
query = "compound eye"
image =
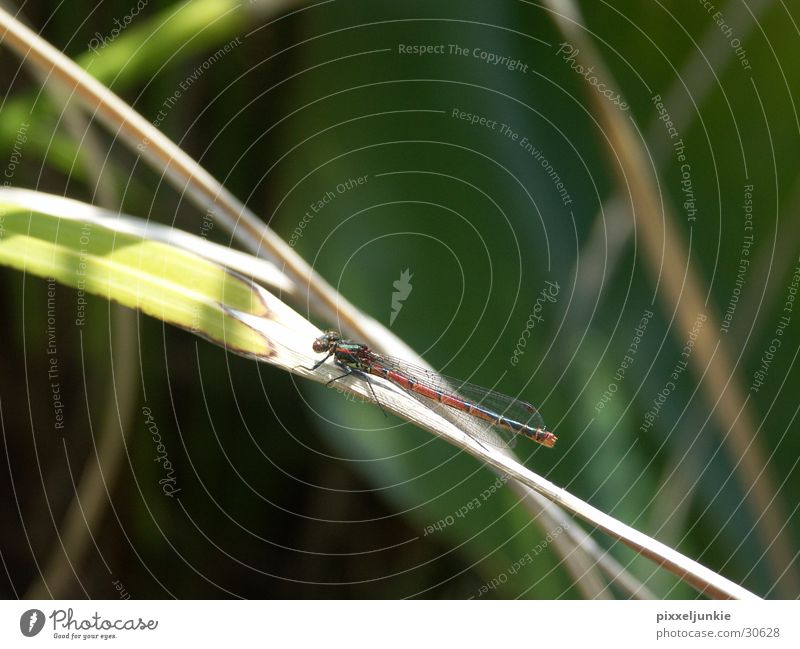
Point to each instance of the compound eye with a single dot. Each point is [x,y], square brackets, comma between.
[326,341]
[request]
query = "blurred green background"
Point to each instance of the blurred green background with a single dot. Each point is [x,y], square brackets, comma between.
[290,490]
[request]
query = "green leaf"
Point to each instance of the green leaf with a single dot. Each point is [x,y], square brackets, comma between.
[161,280]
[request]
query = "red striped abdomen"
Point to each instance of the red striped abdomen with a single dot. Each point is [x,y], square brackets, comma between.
[407,383]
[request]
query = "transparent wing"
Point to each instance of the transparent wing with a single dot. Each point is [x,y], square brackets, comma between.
[469,393]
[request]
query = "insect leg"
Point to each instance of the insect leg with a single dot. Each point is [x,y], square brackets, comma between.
[348,371]
[316,365]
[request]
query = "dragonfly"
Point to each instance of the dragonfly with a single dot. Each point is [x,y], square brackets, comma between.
[505,417]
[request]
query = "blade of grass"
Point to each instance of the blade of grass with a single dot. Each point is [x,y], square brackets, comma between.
[182,171]
[613,228]
[171,283]
[580,564]
[165,282]
[401,403]
[201,187]
[179,168]
[260,270]
[88,506]
[775,261]
[682,296]
[137,53]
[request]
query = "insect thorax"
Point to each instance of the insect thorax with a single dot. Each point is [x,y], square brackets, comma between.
[349,354]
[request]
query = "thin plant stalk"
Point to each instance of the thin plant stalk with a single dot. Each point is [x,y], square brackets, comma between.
[253,234]
[682,295]
[207,193]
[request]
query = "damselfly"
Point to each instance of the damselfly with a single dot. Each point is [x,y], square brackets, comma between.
[507,418]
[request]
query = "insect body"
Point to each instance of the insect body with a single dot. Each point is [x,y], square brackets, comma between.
[507,416]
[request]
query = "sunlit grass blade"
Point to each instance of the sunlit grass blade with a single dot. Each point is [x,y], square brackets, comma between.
[295,340]
[183,288]
[168,283]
